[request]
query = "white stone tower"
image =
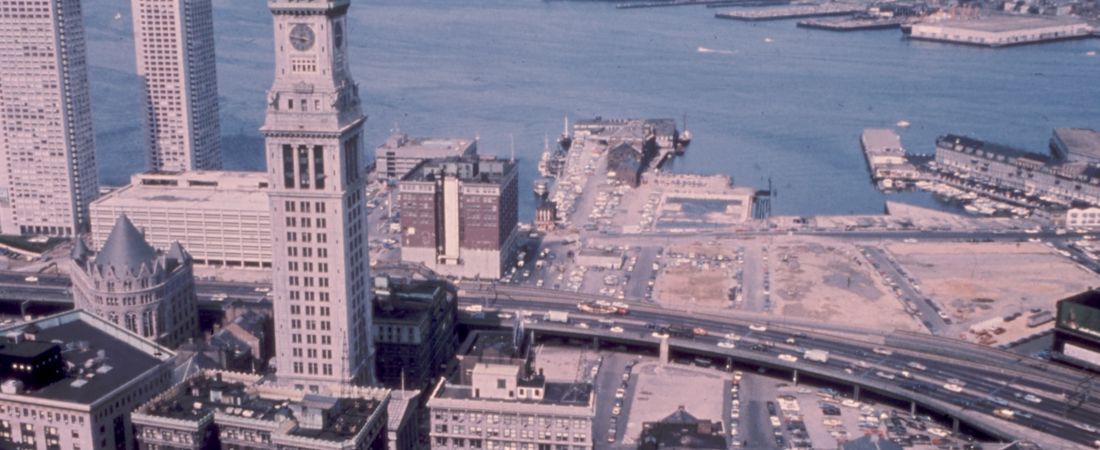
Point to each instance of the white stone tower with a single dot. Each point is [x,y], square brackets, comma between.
[174,46]
[313,132]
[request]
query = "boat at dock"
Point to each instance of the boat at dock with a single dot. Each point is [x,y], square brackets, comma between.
[566,139]
[684,137]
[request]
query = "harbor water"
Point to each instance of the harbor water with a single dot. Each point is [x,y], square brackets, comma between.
[763,100]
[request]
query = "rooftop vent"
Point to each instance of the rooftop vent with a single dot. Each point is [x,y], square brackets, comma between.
[11,387]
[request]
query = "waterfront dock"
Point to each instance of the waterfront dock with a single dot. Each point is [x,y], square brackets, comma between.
[852,23]
[1001,30]
[886,158]
[792,12]
[707,3]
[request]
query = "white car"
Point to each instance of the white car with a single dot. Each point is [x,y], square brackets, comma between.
[917,365]
[1086,427]
[582,325]
[758,328]
[732,337]
[788,358]
[885,375]
[727,344]
[1033,399]
[953,387]
[616,329]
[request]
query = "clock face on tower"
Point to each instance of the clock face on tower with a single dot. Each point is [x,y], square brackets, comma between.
[338,34]
[302,37]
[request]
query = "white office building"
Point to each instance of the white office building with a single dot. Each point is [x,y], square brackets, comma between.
[47,148]
[223,219]
[400,154]
[174,45]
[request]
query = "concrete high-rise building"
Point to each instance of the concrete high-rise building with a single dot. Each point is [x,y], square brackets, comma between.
[47,148]
[459,215]
[174,44]
[132,285]
[313,131]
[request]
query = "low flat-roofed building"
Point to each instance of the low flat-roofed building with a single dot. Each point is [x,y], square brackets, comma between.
[1076,144]
[681,430]
[996,30]
[498,400]
[1083,217]
[216,409]
[221,218]
[600,257]
[88,375]
[886,157]
[400,154]
[1010,169]
[1077,330]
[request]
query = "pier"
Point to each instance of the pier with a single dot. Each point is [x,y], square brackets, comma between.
[886,158]
[852,23]
[792,12]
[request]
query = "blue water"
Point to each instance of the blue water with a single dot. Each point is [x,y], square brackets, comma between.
[790,110]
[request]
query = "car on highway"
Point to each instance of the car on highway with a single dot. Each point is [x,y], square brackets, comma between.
[917,365]
[699,331]
[732,337]
[883,351]
[1085,427]
[788,358]
[953,387]
[758,327]
[616,329]
[726,344]
[885,375]
[616,410]
[582,325]
[620,392]
[1033,399]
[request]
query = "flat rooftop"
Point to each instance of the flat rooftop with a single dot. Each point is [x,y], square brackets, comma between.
[491,345]
[964,143]
[407,302]
[103,356]
[1001,23]
[202,395]
[882,141]
[1087,298]
[564,394]
[1080,141]
[418,147]
[468,169]
[223,189]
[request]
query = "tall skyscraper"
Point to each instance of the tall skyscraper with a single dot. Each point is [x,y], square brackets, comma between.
[47,148]
[313,130]
[174,43]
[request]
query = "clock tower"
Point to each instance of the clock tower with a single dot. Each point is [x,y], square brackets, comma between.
[313,134]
